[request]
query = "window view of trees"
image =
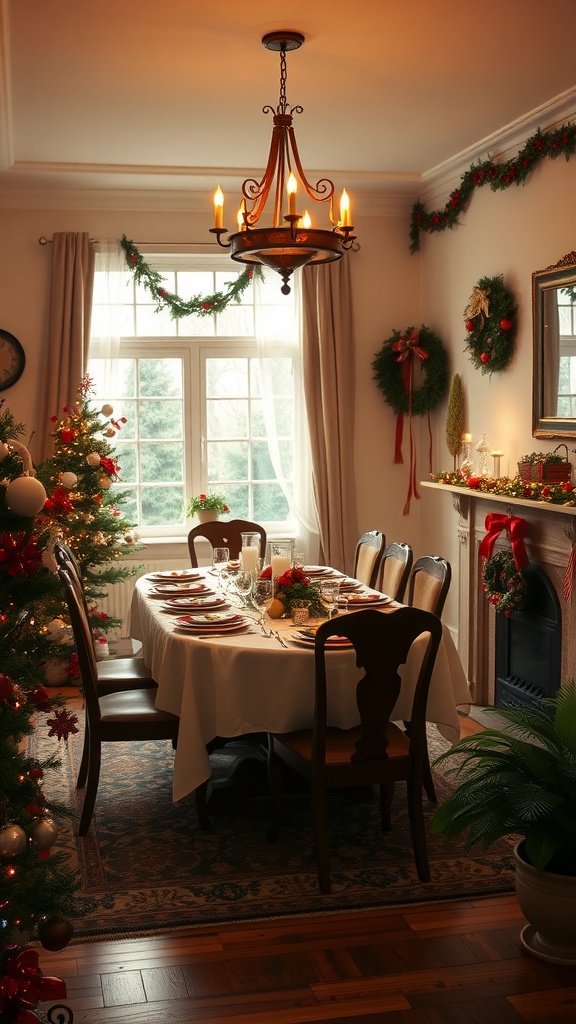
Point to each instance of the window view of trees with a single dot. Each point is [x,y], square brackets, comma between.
[204,408]
[567,367]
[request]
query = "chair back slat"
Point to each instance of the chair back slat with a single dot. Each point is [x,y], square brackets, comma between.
[429,583]
[395,570]
[84,645]
[368,556]
[224,534]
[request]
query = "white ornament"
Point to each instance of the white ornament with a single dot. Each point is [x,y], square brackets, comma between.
[105,483]
[54,628]
[107,410]
[12,841]
[93,459]
[4,450]
[69,480]
[43,833]
[25,496]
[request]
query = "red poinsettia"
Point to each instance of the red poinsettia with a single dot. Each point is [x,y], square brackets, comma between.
[58,500]
[63,724]
[19,553]
[110,466]
[292,576]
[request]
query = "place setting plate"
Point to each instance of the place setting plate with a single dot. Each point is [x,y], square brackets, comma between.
[195,604]
[320,572]
[174,576]
[181,590]
[308,638]
[213,623]
[365,600]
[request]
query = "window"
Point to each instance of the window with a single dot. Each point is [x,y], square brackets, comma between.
[567,364]
[211,403]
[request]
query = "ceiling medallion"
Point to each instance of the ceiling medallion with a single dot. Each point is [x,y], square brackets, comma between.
[284,249]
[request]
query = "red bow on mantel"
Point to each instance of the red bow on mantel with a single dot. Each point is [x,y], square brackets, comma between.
[516,529]
[408,348]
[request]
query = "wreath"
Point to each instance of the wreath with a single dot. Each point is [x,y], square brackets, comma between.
[198,305]
[424,349]
[504,584]
[490,319]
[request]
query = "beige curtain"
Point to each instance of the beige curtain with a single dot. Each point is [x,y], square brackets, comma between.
[329,372]
[66,353]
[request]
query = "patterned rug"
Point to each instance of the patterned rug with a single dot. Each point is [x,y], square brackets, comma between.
[147,867]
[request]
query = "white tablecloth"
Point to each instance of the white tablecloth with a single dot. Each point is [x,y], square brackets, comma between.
[232,685]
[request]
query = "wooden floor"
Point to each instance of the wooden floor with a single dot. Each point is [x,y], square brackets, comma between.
[445,963]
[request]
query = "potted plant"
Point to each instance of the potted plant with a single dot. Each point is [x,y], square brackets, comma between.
[207,507]
[521,782]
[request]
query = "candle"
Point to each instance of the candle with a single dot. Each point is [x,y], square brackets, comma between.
[291,188]
[249,558]
[344,209]
[280,564]
[466,438]
[306,221]
[218,208]
[240,218]
[497,455]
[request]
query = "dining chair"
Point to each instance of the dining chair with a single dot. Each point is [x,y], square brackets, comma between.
[395,570]
[375,752]
[115,673]
[368,556]
[123,716]
[429,584]
[224,534]
[428,587]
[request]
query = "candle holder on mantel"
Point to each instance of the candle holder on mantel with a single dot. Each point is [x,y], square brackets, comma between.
[497,456]
[483,448]
[466,466]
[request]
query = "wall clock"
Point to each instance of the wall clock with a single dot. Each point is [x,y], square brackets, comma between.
[12,360]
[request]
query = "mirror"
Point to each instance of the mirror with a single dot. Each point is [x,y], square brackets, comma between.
[554,370]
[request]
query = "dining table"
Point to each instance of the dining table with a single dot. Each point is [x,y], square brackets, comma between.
[240,681]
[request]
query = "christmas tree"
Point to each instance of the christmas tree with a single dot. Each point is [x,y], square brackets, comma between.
[37,891]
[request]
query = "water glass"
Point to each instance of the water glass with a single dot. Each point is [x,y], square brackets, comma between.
[220,558]
[243,584]
[329,597]
[262,597]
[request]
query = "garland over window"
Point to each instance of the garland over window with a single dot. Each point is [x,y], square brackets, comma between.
[490,319]
[198,305]
[551,144]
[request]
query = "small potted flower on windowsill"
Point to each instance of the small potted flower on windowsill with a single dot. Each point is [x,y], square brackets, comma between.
[207,507]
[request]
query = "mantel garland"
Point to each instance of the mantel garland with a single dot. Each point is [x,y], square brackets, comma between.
[510,487]
[490,320]
[198,305]
[543,145]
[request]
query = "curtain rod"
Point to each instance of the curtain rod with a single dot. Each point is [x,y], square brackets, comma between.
[94,241]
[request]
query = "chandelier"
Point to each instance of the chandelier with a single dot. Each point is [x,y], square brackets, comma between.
[284,248]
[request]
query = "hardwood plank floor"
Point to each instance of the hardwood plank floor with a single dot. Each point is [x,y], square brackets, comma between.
[445,963]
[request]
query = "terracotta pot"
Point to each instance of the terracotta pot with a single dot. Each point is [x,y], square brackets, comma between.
[206,515]
[548,902]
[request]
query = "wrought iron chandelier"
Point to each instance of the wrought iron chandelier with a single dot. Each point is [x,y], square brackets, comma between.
[284,249]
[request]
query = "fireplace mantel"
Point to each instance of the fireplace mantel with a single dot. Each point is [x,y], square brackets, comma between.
[551,535]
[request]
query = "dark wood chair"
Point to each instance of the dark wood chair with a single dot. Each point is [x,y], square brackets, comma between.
[116,673]
[376,752]
[395,570]
[115,717]
[429,584]
[225,534]
[428,587]
[368,557]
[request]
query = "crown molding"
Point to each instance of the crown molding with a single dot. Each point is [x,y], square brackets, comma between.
[500,146]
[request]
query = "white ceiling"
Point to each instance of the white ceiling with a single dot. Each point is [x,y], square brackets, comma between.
[164,96]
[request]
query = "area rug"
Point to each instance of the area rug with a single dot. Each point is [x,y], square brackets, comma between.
[146,866]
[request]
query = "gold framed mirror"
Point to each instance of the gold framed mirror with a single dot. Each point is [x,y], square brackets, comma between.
[554,331]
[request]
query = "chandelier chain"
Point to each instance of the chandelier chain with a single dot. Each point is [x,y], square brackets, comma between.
[282,102]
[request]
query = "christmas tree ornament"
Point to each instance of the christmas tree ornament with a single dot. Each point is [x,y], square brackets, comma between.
[55,933]
[106,410]
[56,671]
[43,833]
[12,841]
[69,481]
[25,496]
[93,459]
[4,450]
[105,482]
[55,628]
[110,432]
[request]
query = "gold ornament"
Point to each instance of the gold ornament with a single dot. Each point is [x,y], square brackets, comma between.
[478,304]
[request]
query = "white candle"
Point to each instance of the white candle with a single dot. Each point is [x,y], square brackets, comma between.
[466,438]
[218,207]
[345,209]
[291,189]
[497,455]
[280,564]
[249,558]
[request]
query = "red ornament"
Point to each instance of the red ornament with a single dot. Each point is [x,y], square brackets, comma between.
[41,699]
[485,357]
[19,553]
[506,325]
[6,688]
[36,773]
[67,435]
[470,326]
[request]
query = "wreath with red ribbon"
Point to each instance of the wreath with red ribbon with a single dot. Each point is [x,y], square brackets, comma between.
[503,578]
[411,371]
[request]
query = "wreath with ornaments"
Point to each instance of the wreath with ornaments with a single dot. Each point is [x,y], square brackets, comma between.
[425,353]
[504,584]
[490,320]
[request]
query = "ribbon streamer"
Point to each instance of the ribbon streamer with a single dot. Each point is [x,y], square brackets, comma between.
[568,577]
[515,527]
[408,348]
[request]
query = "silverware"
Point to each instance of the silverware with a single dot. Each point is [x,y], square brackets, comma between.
[280,639]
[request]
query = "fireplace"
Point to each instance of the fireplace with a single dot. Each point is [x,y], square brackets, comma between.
[528,647]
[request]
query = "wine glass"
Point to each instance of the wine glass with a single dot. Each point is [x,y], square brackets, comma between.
[243,584]
[262,596]
[220,557]
[329,593]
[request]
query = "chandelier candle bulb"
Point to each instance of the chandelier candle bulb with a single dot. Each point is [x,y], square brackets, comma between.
[291,189]
[306,220]
[218,208]
[467,438]
[344,209]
